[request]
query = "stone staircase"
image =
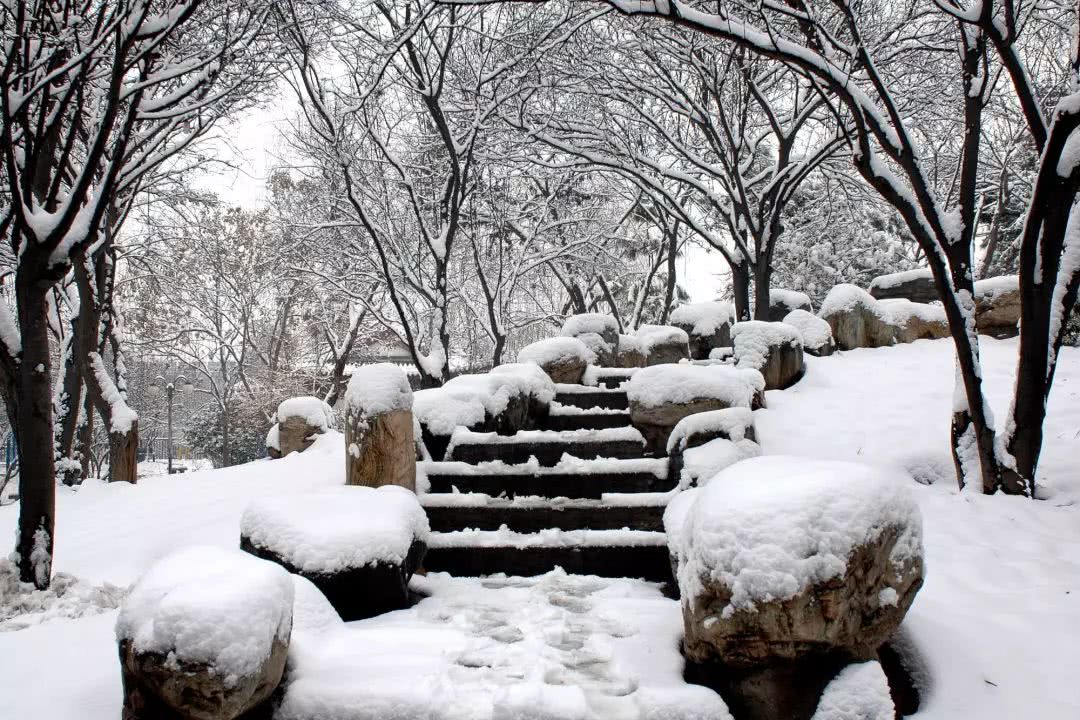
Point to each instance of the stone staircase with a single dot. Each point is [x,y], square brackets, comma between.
[579,494]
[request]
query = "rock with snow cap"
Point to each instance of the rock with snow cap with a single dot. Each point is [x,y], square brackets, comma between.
[663,344]
[857,319]
[299,420]
[599,332]
[380,447]
[997,306]
[782,301]
[204,635]
[564,359]
[914,285]
[631,352]
[708,325]
[816,334]
[773,348]
[913,321]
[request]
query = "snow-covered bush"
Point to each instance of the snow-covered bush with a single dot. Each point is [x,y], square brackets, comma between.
[246,433]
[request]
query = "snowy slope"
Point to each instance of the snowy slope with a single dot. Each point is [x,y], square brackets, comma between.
[997,626]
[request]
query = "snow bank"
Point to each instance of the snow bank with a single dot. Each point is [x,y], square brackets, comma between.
[731,422]
[273,437]
[597,323]
[700,464]
[992,288]
[845,297]
[859,692]
[754,339]
[552,350]
[338,528]
[790,299]
[815,332]
[705,317]
[892,280]
[312,612]
[652,335]
[672,384]
[222,608]
[22,605]
[770,527]
[378,389]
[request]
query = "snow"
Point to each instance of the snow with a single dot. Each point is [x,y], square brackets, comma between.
[552,350]
[314,412]
[464,401]
[566,465]
[901,310]
[701,463]
[652,335]
[22,605]
[892,280]
[753,340]
[732,423]
[273,437]
[815,332]
[769,527]
[9,332]
[597,323]
[845,297]
[204,604]
[464,436]
[859,692]
[121,416]
[628,343]
[441,412]
[337,529]
[705,318]
[377,389]
[994,287]
[668,384]
[791,299]
[552,537]
[594,373]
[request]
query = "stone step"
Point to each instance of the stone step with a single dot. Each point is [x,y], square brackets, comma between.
[571,417]
[585,396]
[547,446]
[610,377]
[460,511]
[607,553]
[569,478]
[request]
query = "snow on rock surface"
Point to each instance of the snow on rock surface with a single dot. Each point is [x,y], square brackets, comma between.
[731,422]
[790,299]
[552,350]
[990,288]
[705,317]
[378,389]
[769,527]
[754,340]
[598,323]
[441,411]
[314,412]
[814,331]
[900,310]
[701,463]
[651,336]
[662,385]
[337,529]
[845,297]
[210,606]
[312,612]
[859,692]
[892,280]
[272,438]
[465,401]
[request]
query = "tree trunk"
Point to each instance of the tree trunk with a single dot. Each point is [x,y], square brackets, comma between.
[225,454]
[669,290]
[762,280]
[37,478]
[86,438]
[740,289]
[124,455]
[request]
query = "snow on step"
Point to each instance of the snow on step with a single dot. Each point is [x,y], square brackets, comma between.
[612,511]
[572,417]
[570,477]
[547,446]
[505,537]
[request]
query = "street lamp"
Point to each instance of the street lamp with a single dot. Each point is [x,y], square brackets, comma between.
[170,390]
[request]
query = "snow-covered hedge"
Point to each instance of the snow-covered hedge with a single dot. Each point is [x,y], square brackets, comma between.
[207,605]
[662,385]
[315,412]
[338,528]
[770,527]
[378,389]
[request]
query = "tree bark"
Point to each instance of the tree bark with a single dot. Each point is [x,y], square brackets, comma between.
[740,289]
[762,281]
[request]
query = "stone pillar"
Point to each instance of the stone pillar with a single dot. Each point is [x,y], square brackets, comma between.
[380,445]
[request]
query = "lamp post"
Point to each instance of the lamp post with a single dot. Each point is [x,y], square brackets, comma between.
[170,391]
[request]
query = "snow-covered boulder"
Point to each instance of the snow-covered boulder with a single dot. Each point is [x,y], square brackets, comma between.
[631,352]
[782,301]
[299,420]
[599,332]
[785,557]
[772,348]
[379,440]
[699,464]
[857,319]
[358,545]
[564,359]
[204,635]
[913,321]
[708,325]
[662,344]
[662,395]
[273,443]
[816,334]
[914,285]
[859,692]
[997,306]
[733,423]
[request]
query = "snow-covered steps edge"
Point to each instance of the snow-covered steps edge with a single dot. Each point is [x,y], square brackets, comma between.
[546,446]
[605,553]
[585,396]
[448,512]
[569,478]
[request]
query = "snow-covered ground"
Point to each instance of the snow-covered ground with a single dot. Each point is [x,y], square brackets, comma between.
[996,627]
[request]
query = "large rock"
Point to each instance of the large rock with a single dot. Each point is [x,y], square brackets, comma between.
[564,359]
[379,440]
[708,325]
[782,302]
[204,635]
[631,353]
[816,334]
[856,318]
[599,332]
[772,348]
[782,584]
[662,395]
[997,306]
[663,344]
[914,285]
[358,545]
[299,420]
[913,321]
